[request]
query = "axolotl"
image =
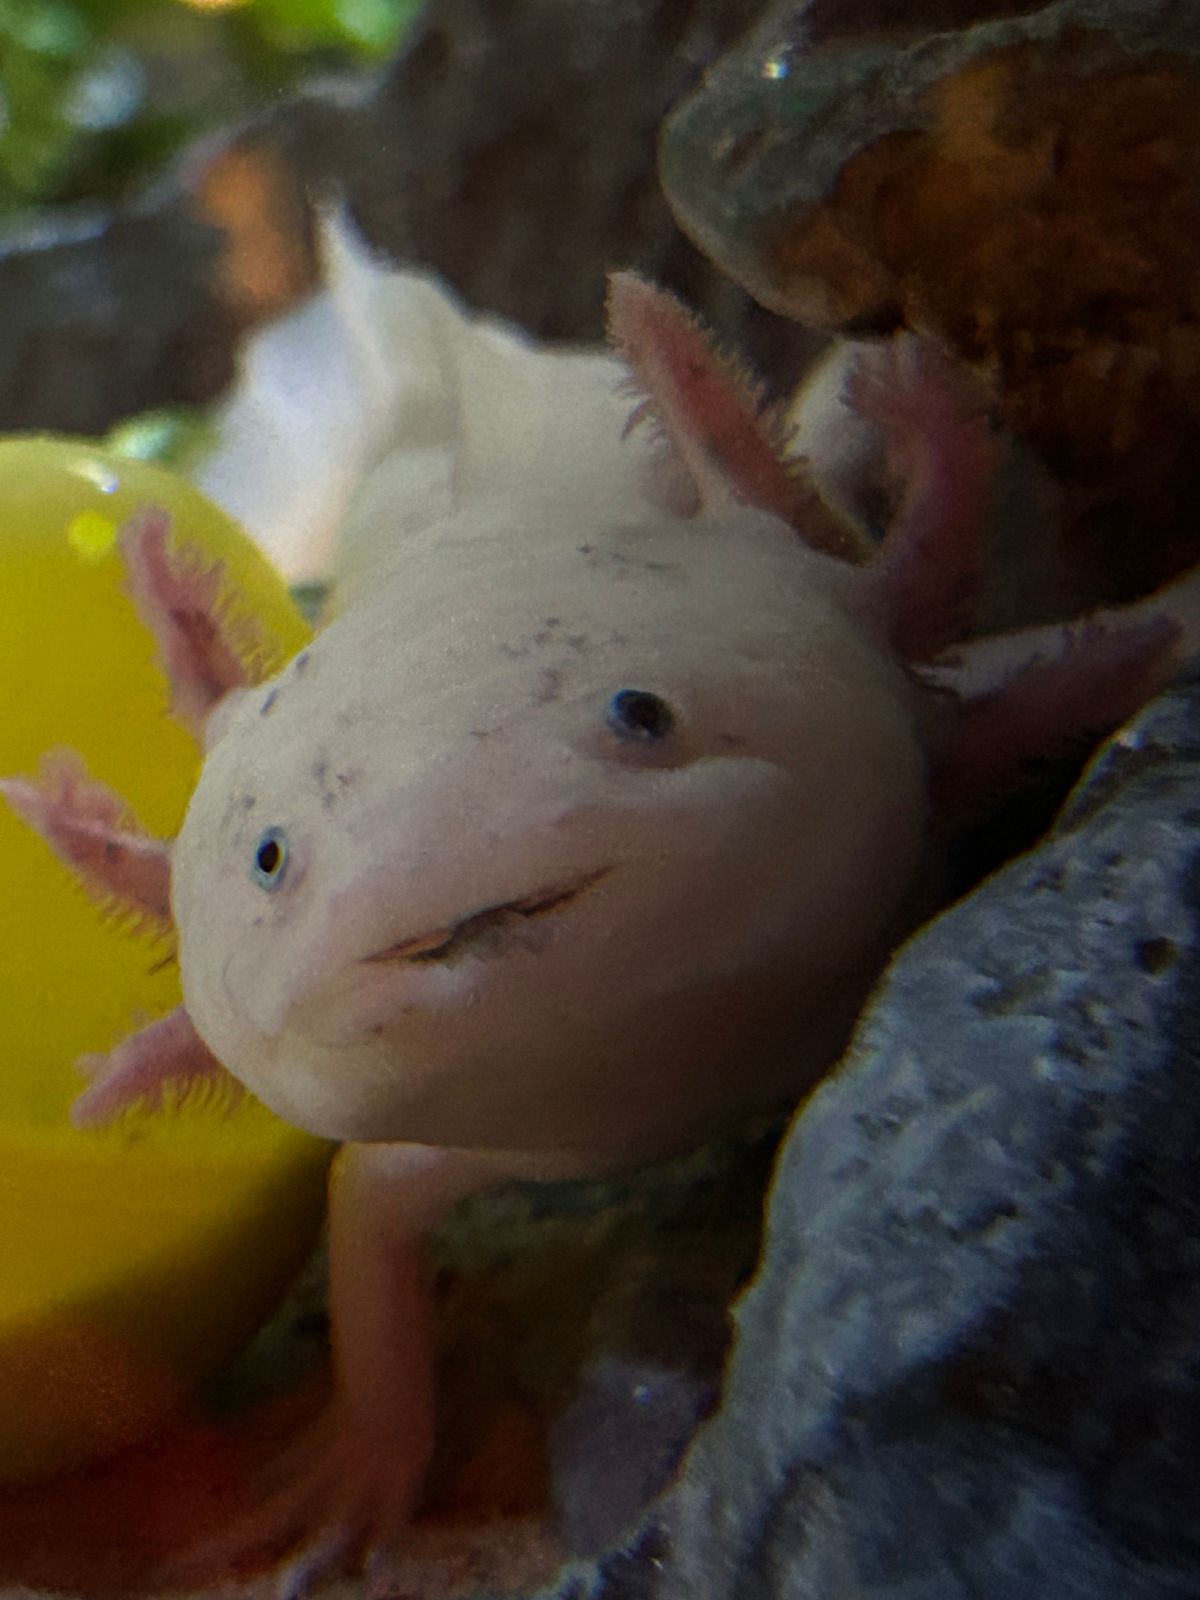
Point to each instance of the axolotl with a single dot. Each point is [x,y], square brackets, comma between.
[584,827]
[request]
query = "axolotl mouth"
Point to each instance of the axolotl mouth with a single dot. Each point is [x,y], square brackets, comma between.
[448,943]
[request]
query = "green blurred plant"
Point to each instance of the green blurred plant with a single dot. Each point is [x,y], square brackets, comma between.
[95,94]
[368,27]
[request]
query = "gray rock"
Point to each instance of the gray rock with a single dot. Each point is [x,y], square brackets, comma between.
[101,316]
[617,1444]
[967,1367]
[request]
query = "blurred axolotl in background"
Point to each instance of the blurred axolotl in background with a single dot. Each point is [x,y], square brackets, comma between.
[584,826]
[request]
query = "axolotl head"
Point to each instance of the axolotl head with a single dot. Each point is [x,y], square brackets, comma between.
[560,836]
[583,825]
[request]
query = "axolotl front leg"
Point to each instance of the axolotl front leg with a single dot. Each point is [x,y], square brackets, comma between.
[343,1492]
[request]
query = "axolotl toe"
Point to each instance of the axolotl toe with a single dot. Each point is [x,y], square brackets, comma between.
[585,826]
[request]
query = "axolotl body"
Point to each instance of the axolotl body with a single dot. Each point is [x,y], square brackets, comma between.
[585,826]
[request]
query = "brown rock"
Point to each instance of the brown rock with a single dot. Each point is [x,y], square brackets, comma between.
[1025,188]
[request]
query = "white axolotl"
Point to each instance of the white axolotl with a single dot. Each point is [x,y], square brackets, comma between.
[584,827]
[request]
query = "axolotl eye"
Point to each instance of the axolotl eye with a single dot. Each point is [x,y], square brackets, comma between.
[270,859]
[640,714]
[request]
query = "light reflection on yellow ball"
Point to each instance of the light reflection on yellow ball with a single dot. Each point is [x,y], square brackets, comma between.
[134,1261]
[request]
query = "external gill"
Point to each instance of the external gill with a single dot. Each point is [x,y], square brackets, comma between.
[92,829]
[712,414]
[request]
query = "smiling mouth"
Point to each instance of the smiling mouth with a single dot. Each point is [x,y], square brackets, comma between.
[444,944]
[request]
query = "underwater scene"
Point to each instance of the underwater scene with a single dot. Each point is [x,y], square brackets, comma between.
[599,781]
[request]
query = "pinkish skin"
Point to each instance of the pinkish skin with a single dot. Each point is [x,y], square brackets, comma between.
[92,829]
[933,559]
[178,600]
[347,1490]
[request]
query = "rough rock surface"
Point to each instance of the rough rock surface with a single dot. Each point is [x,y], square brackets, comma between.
[1025,188]
[967,1366]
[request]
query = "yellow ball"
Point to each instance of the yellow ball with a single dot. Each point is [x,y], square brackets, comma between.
[132,1261]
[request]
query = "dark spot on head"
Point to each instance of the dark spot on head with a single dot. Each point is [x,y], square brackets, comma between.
[617,564]
[549,686]
[553,622]
[1155,956]
[320,772]
[268,702]
[734,741]
[576,641]
[236,807]
[112,850]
